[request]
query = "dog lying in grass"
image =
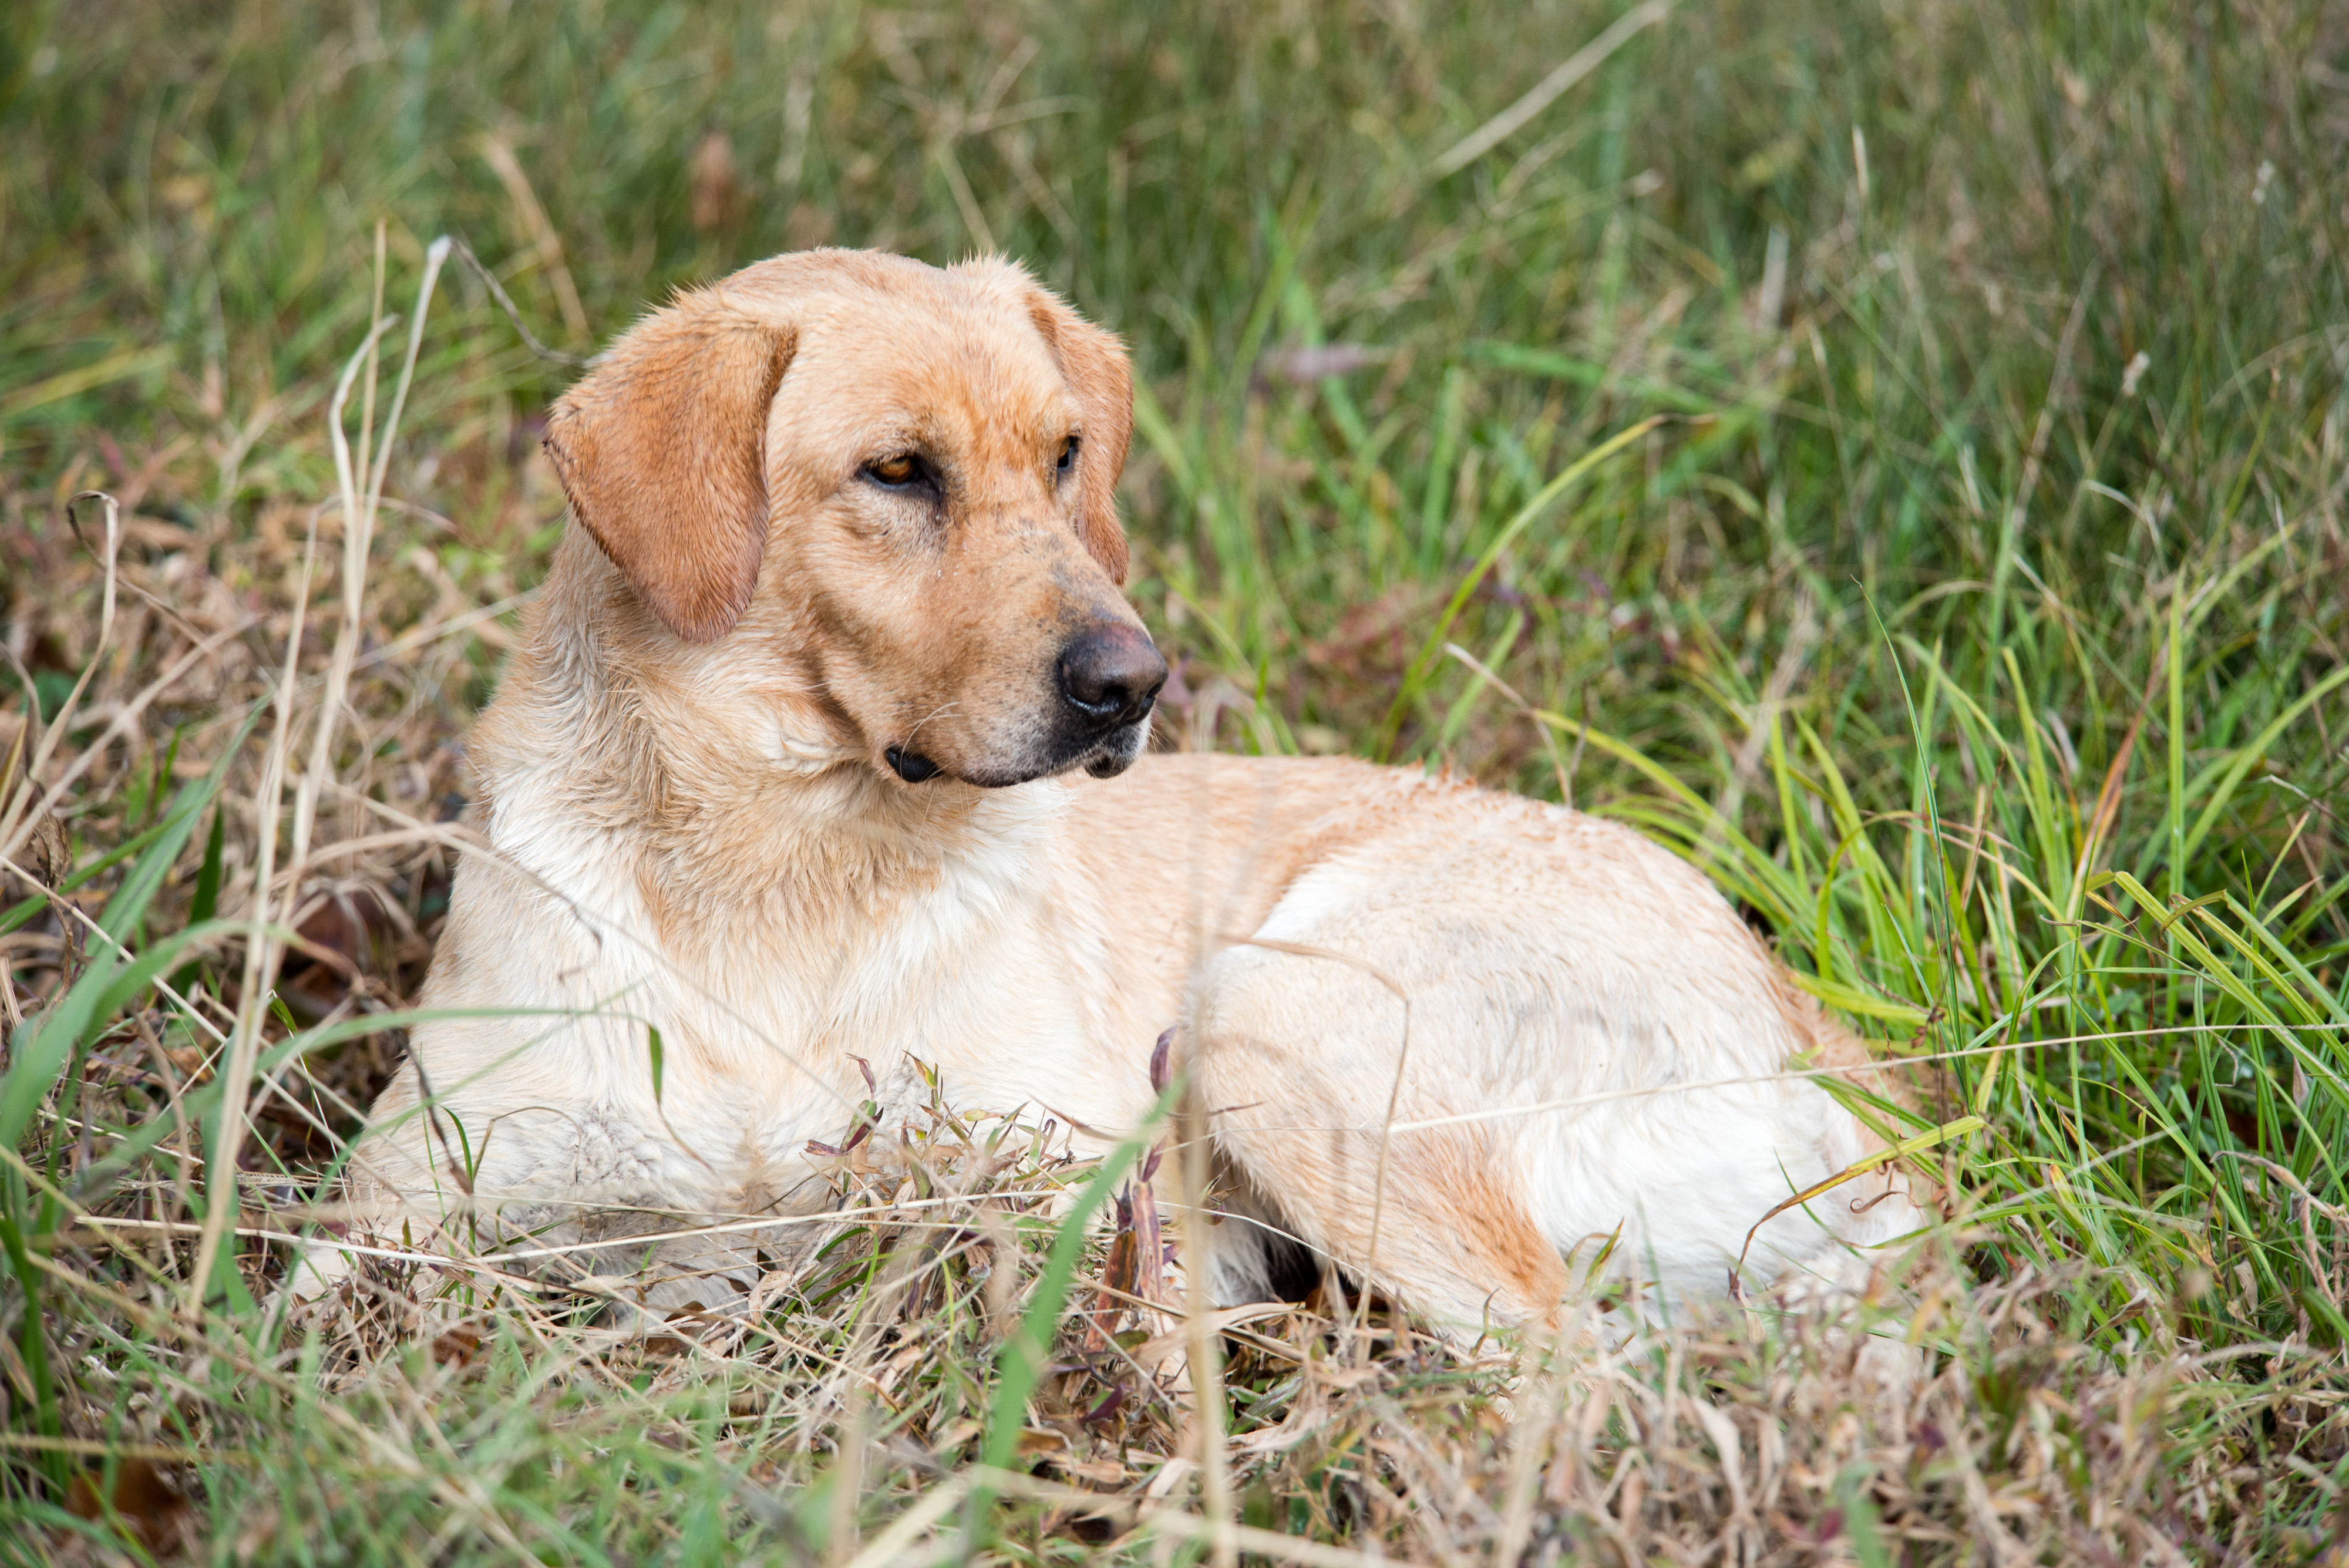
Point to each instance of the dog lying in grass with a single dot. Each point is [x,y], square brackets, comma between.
[825,755]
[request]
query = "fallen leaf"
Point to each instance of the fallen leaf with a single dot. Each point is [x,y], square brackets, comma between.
[144,1503]
[716,189]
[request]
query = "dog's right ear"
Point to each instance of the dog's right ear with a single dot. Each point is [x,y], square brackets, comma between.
[662,452]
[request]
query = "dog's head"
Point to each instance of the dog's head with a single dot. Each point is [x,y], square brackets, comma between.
[899,479]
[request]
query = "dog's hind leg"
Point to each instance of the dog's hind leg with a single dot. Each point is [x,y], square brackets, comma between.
[1298,1063]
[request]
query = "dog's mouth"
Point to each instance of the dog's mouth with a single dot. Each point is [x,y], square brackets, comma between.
[1102,755]
[1115,753]
[911,765]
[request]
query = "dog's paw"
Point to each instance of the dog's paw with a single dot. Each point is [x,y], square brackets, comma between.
[317,1270]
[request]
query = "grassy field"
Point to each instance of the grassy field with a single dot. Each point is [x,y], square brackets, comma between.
[1893,454]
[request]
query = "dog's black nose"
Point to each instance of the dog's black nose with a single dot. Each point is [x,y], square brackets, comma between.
[1110,674]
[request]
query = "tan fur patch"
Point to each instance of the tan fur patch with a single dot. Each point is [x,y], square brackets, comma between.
[1094,362]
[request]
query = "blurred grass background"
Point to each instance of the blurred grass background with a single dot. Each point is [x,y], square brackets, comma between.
[1974,610]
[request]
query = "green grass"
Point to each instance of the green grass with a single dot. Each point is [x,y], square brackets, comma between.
[1973,608]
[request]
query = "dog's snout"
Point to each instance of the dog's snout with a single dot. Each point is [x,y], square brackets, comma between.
[1110,674]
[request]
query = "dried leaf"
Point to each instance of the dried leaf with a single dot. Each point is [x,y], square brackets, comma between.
[152,1514]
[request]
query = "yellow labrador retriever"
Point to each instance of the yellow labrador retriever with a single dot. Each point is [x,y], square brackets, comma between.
[825,749]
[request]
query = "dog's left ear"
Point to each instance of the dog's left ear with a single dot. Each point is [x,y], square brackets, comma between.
[1094,362]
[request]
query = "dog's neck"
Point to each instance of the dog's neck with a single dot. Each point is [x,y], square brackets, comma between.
[717,778]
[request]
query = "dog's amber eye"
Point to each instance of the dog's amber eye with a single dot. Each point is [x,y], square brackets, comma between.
[903,469]
[1069,456]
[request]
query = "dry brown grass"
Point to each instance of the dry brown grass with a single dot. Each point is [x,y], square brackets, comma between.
[1753,1436]
[2057,387]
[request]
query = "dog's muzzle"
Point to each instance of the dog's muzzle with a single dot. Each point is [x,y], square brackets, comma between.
[1108,678]
[1110,675]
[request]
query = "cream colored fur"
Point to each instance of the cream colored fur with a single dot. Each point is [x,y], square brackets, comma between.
[697,827]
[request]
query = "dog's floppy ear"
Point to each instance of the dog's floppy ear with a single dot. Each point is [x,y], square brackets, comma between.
[1094,362]
[662,452]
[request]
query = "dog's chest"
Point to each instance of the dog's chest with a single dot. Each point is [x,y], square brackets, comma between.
[976,986]
[986,979]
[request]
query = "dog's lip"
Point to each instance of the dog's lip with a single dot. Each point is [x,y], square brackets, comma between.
[911,765]
[1102,746]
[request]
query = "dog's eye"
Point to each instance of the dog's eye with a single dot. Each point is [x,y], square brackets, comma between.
[1068,457]
[895,471]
